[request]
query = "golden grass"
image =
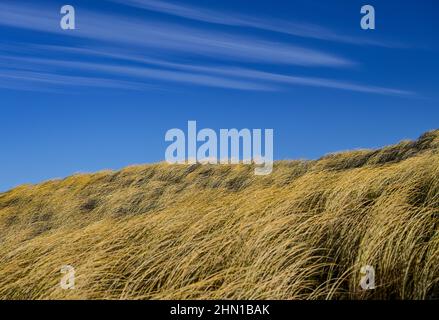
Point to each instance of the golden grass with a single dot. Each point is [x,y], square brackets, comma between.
[220,232]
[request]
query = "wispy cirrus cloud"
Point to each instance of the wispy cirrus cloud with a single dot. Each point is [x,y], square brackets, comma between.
[237,72]
[148,68]
[300,29]
[125,40]
[134,78]
[46,81]
[171,38]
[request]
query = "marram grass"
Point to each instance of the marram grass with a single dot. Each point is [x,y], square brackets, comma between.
[220,232]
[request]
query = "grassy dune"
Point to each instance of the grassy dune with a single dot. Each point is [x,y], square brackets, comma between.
[209,232]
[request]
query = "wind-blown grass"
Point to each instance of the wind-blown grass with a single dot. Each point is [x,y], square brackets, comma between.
[220,232]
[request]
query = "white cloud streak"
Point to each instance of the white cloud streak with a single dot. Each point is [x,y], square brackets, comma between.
[300,29]
[135,75]
[121,39]
[214,76]
[171,38]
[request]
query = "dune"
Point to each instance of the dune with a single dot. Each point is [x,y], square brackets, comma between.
[163,231]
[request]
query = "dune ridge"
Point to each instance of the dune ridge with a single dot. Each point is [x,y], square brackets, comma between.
[219,232]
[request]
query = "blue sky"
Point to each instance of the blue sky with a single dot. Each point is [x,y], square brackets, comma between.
[104,95]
